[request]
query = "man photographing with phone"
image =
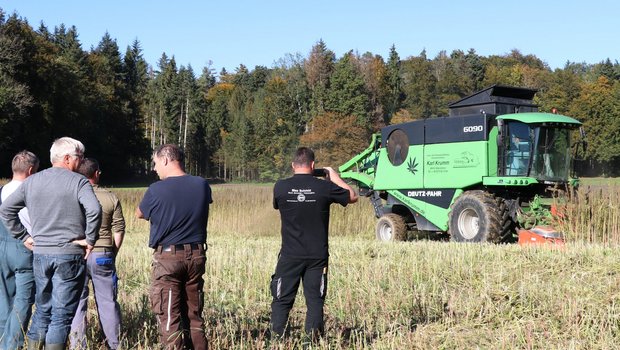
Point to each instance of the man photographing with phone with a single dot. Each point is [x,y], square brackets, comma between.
[303,201]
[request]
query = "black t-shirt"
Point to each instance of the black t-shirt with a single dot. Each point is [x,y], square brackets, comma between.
[303,201]
[178,209]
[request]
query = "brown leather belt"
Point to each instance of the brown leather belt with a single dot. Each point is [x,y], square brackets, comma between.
[180,247]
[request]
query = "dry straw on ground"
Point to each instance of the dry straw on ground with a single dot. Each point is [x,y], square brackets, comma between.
[410,295]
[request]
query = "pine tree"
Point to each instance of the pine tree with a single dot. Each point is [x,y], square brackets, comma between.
[15,97]
[394,95]
[374,72]
[598,106]
[135,73]
[347,94]
[475,70]
[318,68]
[419,86]
[216,123]
[207,79]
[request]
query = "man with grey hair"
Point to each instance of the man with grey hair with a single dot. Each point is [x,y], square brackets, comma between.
[16,276]
[65,217]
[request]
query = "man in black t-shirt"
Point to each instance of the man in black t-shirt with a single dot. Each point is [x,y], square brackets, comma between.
[177,208]
[303,201]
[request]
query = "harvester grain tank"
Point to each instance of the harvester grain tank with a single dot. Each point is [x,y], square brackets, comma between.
[489,168]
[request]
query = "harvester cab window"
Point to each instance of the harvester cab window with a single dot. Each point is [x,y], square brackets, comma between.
[397,147]
[518,149]
[551,160]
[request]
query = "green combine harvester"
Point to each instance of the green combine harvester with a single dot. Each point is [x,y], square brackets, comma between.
[489,168]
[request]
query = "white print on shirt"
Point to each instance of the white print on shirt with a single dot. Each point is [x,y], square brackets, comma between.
[301,195]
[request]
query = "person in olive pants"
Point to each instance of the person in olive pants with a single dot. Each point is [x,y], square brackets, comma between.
[101,265]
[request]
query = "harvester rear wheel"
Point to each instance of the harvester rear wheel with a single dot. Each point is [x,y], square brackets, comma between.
[475,217]
[391,227]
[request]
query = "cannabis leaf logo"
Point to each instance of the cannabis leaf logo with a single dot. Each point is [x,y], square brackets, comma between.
[412,166]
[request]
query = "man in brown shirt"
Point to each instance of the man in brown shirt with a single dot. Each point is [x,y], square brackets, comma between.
[100,267]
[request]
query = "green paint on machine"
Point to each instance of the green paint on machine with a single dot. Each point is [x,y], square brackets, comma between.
[492,156]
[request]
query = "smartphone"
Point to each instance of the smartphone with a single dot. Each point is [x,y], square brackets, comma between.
[319,172]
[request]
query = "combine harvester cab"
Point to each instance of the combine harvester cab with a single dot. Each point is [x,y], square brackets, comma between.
[490,168]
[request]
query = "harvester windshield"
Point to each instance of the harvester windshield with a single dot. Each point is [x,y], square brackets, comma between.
[551,156]
[539,151]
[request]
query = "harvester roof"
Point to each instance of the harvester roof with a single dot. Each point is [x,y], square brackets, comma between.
[495,100]
[537,117]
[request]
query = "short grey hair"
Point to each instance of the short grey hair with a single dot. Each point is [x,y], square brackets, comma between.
[65,146]
[23,161]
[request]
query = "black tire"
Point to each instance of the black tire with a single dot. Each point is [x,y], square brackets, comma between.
[476,217]
[508,230]
[391,227]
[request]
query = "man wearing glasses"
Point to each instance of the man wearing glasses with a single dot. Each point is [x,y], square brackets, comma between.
[65,217]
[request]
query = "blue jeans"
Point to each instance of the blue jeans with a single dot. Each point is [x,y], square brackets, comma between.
[101,270]
[16,292]
[59,281]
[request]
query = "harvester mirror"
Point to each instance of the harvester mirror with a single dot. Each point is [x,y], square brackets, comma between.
[397,147]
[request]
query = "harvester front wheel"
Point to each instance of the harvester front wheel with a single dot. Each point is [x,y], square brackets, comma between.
[391,227]
[475,218]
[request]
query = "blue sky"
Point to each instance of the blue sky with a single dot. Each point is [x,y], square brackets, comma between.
[229,33]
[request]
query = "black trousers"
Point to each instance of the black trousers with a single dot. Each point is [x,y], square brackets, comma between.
[284,285]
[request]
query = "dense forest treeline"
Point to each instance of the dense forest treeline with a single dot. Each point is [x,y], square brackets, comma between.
[243,125]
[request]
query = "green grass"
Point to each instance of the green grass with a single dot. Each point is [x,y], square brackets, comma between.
[600,181]
[415,295]
[409,295]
